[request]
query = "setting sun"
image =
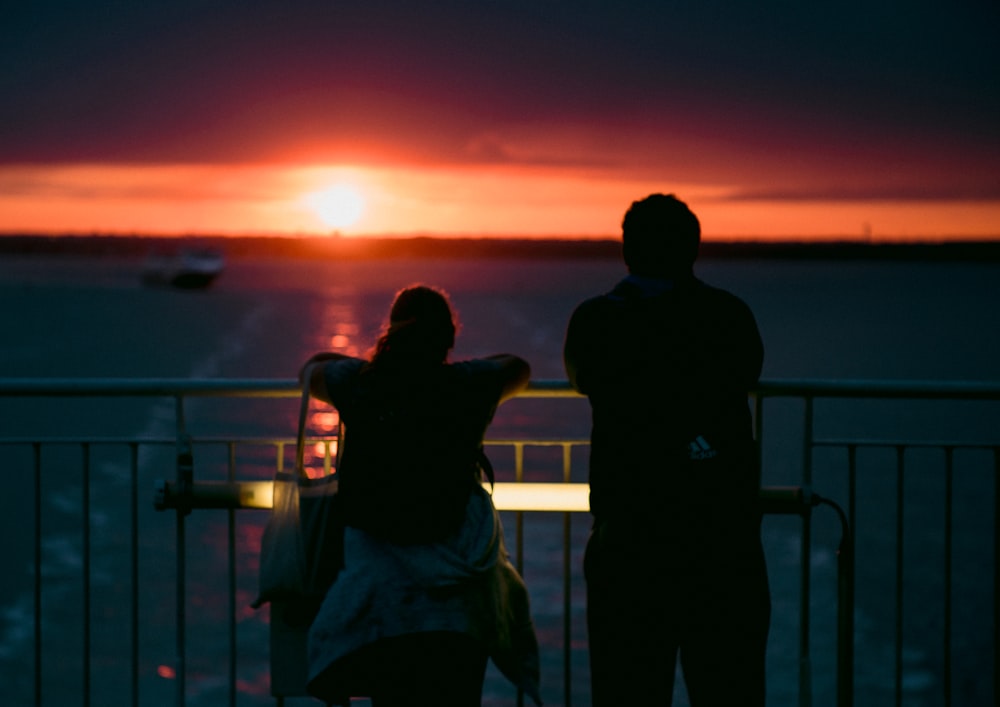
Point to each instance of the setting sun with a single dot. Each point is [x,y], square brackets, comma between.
[337,206]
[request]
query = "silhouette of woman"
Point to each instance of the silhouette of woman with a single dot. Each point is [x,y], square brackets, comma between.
[419,605]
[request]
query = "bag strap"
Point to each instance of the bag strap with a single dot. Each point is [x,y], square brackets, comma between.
[300,440]
[486,467]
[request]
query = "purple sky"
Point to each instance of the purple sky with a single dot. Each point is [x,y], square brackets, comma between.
[787,101]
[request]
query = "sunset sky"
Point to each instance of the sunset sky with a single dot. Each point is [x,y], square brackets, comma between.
[513,117]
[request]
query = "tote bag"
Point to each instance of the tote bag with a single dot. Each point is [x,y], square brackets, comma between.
[302,545]
[301,553]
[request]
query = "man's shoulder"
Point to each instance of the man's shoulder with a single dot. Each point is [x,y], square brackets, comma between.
[722,298]
[694,290]
[707,289]
[597,304]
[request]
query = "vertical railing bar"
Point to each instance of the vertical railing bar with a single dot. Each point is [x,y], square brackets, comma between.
[85,535]
[996,574]
[134,560]
[805,667]
[805,590]
[328,456]
[231,559]
[519,515]
[567,587]
[898,648]
[847,691]
[946,638]
[519,531]
[852,488]
[279,450]
[808,435]
[845,641]
[758,434]
[37,589]
[181,588]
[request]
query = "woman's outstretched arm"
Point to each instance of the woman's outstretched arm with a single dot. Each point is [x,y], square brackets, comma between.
[515,374]
[313,370]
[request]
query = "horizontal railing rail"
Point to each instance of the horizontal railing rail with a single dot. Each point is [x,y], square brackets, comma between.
[256,387]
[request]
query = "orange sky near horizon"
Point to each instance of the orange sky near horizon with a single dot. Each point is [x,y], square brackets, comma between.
[520,118]
[437,200]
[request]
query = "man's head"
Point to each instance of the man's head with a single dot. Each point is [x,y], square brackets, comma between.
[660,237]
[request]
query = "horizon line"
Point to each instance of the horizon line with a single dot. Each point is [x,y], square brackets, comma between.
[339,237]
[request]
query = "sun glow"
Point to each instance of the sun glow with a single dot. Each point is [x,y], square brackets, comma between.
[338,206]
[446,201]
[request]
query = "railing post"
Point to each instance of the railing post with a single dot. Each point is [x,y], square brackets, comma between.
[36,449]
[567,456]
[519,533]
[85,530]
[758,434]
[949,492]
[134,559]
[231,572]
[519,517]
[845,606]
[900,487]
[805,660]
[845,593]
[996,574]
[185,482]
[845,624]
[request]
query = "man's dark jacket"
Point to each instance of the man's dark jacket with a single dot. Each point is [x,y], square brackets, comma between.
[667,366]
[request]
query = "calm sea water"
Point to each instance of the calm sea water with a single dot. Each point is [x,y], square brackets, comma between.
[89,317]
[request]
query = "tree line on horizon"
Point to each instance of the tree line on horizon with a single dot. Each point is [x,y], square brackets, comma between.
[523,247]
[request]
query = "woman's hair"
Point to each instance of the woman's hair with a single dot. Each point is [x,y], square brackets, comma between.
[421,328]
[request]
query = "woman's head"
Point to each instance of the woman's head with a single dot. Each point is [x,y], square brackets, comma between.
[421,327]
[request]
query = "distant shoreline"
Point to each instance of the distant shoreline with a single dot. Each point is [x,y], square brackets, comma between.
[447,247]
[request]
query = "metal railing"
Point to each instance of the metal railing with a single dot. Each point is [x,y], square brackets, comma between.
[212,467]
[966,402]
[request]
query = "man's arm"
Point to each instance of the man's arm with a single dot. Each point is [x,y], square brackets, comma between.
[577,348]
[749,349]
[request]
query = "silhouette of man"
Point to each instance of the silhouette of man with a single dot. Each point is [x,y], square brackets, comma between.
[674,564]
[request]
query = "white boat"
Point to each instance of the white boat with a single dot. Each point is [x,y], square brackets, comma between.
[189,269]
